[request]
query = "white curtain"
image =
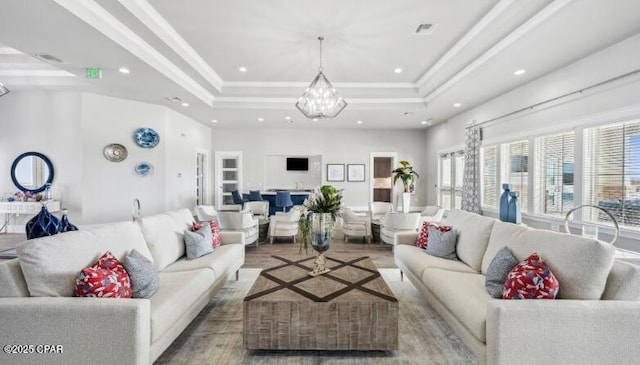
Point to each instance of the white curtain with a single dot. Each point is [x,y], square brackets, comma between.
[471,182]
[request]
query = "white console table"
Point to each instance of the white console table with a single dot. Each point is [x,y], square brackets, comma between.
[15,208]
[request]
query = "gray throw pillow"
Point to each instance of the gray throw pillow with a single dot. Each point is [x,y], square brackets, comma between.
[198,243]
[498,271]
[142,274]
[442,244]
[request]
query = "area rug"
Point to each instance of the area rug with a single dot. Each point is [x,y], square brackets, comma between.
[215,336]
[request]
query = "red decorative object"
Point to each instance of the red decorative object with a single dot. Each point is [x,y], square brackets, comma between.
[105,279]
[215,232]
[423,237]
[531,279]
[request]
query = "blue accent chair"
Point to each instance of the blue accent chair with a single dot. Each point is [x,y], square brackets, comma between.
[237,198]
[255,196]
[283,200]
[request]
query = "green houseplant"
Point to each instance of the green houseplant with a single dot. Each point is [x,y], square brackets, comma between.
[317,222]
[407,174]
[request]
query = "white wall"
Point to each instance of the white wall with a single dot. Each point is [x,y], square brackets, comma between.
[280,178]
[46,122]
[608,103]
[343,146]
[73,128]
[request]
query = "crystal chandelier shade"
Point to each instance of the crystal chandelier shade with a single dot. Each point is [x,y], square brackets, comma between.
[321,100]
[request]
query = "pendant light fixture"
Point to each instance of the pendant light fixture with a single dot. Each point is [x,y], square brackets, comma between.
[320,100]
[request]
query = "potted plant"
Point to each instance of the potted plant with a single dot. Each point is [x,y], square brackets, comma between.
[408,175]
[317,222]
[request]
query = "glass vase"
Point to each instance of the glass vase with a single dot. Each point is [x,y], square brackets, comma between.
[321,232]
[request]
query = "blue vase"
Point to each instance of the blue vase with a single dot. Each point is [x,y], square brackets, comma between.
[65,225]
[43,224]
[504,203]
[514,215]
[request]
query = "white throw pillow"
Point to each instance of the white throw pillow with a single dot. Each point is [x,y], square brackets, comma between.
[50,264]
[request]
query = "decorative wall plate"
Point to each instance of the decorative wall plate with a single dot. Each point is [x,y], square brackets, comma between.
[115,152]
[144,169]
[147,137]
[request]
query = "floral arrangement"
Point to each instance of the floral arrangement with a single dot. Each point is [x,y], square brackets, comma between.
[406,173]
[324,199]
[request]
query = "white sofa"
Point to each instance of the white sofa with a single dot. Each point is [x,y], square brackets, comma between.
[595,320]
[37,304]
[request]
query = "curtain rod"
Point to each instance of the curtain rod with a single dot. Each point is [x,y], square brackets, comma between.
[601,83]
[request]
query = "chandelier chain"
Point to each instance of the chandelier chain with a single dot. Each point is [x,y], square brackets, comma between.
[320,38]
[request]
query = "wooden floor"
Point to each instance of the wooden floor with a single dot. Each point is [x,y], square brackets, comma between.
[260,257]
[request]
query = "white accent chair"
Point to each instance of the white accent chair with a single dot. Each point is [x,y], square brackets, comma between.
[240,222]
[285,224]
[355,226]
[431,214]
[396,223]
[259,209]
[377,210]
[206,213]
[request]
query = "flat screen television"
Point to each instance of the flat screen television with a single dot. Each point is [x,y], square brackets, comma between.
[297,164]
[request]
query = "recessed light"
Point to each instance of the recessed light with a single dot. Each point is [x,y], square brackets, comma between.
[519,72]
[242,69]
[214,121]
[287,118]
[124,70]
[314,119]
[398,70]
[260,119]
[185,104]
[359,122]
[457,105]
[424,122]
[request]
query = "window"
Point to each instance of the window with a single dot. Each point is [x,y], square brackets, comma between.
[446,164]
[451,178]
[488,183]
[458,177]
[554,161]
[515,157]
[201,196]
[612,172]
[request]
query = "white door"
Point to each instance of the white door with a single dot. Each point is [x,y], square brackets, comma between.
[202,178]
[228,178]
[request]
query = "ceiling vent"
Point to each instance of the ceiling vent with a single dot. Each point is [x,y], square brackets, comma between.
[175,99]
[47,57]
[425,29]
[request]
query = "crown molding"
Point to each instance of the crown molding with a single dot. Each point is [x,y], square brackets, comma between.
[36,73]
[525,28]
[99,18]
[150,17]
[288,84]
[472,33]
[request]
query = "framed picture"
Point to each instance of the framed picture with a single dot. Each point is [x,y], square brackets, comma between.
[335,172]
[355,172]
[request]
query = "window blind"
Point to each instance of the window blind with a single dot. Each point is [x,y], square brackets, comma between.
[554,174]
[514,169]
[612,172]
[488,183]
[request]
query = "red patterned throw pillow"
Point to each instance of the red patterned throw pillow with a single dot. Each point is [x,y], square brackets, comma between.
[423,236]
[531,279]
[105,279]
[215,232]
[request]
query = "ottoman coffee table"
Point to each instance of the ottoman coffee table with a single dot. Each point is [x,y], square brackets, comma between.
[349,308]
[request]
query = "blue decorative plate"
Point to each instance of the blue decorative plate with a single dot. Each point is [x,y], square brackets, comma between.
[147,137]
[144,169]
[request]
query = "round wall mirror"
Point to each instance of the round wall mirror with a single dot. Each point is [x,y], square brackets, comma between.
[31,171]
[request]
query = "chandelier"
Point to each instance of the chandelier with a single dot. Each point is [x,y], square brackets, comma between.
[321,100]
